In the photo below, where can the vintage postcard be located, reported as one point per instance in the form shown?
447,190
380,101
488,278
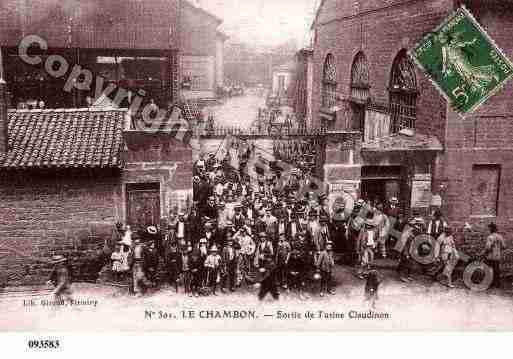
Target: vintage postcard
255,165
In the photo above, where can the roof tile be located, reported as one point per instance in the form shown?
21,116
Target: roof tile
64,138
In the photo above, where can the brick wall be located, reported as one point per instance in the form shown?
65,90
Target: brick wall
159,158
485,137
41,217
380,29
3,116
95,23
199,32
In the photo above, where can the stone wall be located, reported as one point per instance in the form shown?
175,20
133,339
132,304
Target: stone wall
41,216
74,212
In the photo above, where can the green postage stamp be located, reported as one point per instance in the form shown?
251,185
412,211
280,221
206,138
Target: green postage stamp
463,61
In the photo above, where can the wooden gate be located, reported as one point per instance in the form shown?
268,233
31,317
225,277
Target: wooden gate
143,205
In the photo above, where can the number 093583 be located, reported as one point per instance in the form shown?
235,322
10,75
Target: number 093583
43,344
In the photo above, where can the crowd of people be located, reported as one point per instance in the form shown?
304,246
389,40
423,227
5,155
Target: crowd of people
280,233
270,230
239,231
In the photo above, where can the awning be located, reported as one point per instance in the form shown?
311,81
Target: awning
381,173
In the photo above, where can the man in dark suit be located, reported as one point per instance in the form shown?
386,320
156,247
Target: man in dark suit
229,263
210,209
182,229
172,261
269,282
204,191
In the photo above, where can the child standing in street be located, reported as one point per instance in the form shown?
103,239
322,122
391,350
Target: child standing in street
366,244
212,265
117,262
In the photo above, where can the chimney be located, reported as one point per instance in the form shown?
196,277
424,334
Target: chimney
3,109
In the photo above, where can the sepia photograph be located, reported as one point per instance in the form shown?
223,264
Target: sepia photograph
255,166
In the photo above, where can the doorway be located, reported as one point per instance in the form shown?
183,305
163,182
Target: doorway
143,205
380,183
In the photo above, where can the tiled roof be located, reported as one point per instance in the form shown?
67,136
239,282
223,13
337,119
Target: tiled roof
64,138
191,110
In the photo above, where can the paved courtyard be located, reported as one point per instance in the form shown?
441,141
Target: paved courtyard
419,305
239,111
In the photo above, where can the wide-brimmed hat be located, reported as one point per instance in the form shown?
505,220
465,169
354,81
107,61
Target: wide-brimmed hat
262,235
152,230
58,259
213,248
300,209
203,240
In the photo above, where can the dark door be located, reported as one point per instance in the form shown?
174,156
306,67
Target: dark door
143,205
374,189
358,118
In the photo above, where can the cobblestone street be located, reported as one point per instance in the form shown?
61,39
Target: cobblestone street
419,305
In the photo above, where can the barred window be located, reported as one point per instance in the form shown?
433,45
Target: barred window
360,79
329,82
403,93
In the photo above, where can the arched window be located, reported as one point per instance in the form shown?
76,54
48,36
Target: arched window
360,92
403,93
360,79
329,82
